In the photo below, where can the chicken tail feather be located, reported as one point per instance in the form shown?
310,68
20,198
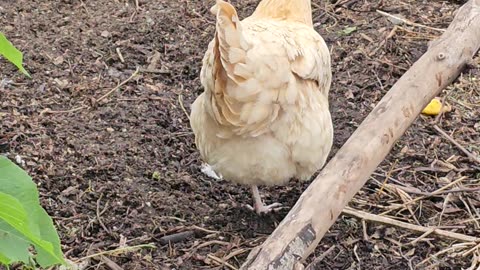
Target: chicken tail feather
229,50
231,42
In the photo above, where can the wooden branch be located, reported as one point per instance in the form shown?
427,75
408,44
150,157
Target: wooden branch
319,206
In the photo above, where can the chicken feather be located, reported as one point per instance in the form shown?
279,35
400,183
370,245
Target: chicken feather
263,117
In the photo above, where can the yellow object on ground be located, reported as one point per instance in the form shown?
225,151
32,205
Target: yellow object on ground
434,107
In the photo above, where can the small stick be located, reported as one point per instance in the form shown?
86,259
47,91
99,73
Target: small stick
448,137
155,71
405,21
427,233
442,107
389,173
408,226
119,85
212,242
320,258
100,213
222,262
176,237
454,247
430,194
111,264
235,253
180,101
120,55
365,234
116,251
436,192
466,253
48,111
198,228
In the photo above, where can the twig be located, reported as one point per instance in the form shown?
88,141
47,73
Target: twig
198,228
117,251
448,137
212,242
235,253
320,258
389,36
180,101
453,247
436,192
49,111
417,228
119,85
222,262
196,247
405,21
100,213
155,71
431,194
427,233
111,264
442,108
119,53
387,176
466,253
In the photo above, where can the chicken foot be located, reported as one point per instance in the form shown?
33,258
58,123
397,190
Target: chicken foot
258,206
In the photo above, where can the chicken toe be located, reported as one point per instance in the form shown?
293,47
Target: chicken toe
259,207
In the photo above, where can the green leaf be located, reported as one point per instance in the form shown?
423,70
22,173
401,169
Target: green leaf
156,175
4,260
12,54
23,222
348,30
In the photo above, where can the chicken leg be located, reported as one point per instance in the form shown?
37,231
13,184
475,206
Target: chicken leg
259,206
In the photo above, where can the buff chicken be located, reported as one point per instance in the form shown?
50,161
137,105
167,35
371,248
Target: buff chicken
263,117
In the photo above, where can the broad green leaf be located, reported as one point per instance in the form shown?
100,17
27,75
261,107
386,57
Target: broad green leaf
15,235
12,54
22,219
4,260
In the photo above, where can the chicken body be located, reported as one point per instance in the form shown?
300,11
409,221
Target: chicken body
263,117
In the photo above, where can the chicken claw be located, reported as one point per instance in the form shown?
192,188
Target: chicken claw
259,207
265,209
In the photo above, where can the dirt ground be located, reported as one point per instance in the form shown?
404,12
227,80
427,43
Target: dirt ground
119,168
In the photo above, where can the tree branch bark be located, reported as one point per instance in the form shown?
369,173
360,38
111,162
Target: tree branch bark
319,206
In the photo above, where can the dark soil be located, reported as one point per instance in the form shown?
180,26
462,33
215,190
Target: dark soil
123,170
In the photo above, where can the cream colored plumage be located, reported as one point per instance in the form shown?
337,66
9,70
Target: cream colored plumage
263,117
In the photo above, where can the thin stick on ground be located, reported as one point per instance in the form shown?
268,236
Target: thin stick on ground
452,248
116,251
119,85
180,101
407,22
459,146
235,253
431,194
408,226
221,262
99,214
111,264
49,111
436,192
320,258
